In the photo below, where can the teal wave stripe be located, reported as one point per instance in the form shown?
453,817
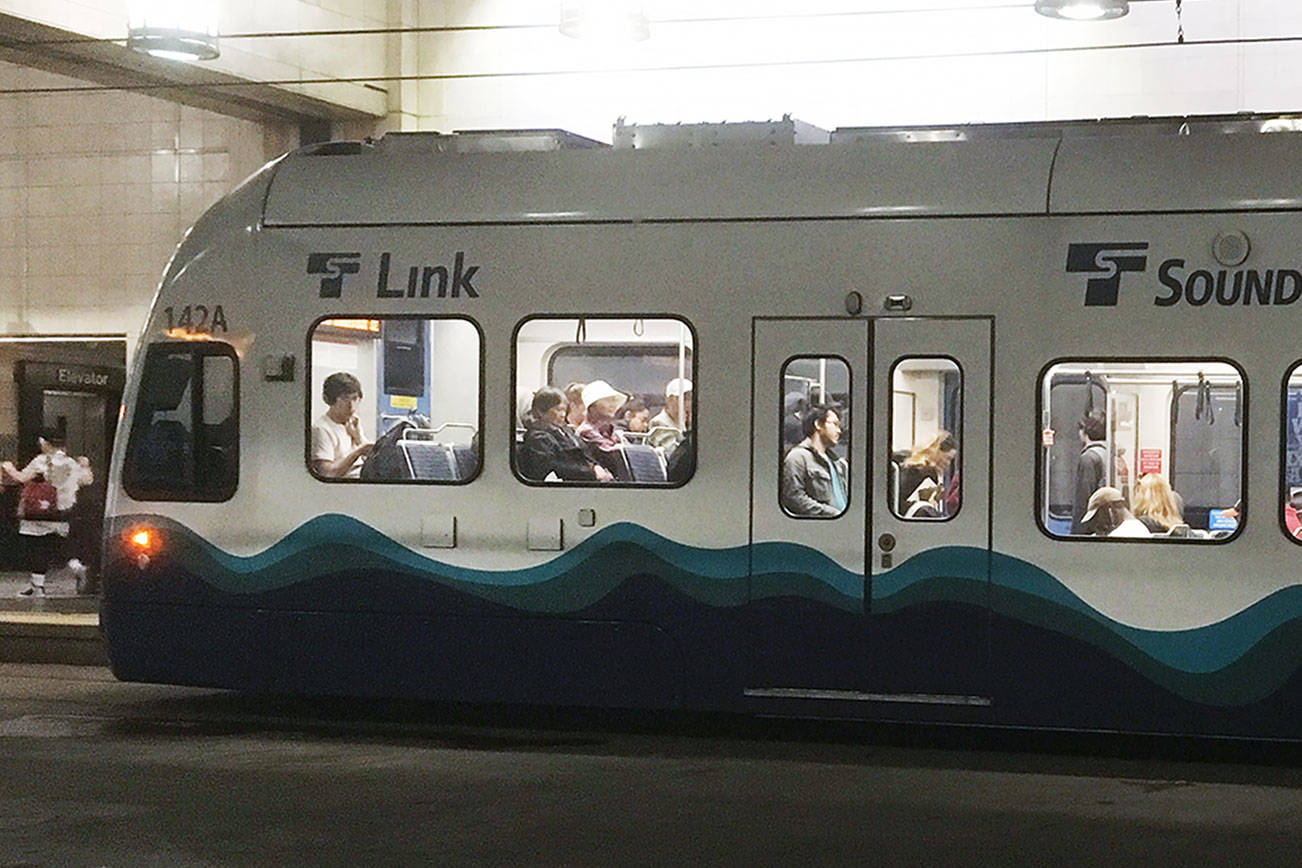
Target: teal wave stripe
1237,660
572,580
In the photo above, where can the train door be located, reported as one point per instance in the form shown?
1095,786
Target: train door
808,533
930,520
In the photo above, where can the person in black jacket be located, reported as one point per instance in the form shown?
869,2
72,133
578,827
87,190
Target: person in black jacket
1091,467
551,446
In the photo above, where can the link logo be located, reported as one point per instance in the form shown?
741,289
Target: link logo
454,279
1107,261
333,266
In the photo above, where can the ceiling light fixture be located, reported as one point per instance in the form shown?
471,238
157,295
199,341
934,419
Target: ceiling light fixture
173,31
1082,10
609,20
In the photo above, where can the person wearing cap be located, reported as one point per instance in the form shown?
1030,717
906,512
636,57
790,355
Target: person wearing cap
669,425
598,431
1108,515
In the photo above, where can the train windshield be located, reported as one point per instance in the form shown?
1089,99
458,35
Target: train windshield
1142,449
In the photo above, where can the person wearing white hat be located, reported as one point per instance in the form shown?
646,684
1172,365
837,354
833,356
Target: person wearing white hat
602,401
1108,515
668,426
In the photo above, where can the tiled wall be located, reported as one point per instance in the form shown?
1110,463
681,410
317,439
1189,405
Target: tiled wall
95,193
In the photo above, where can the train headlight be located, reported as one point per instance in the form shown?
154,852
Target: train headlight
141,543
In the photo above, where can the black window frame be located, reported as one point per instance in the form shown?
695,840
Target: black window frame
613,485
310,402
893,497
1283,451
1038,499
198,492
849,488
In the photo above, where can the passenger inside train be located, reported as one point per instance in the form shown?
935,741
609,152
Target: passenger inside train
412,380
1182,424
926,425
626,388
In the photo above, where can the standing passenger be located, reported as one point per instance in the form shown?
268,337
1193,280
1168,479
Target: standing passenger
1091,467
814,479
338,442
45,527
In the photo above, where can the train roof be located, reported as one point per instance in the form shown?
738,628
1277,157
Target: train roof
747,172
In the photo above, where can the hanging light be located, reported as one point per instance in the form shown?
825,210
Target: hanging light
609,20
174,31
1082,10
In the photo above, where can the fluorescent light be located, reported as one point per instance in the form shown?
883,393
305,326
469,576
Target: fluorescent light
1082,10
606,20
173,31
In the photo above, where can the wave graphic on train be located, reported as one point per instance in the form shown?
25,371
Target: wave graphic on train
1231,662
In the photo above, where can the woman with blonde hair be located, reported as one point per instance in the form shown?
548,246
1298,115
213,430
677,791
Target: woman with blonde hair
1156,504
930,460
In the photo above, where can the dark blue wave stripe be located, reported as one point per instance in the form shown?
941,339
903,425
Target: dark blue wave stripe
778,568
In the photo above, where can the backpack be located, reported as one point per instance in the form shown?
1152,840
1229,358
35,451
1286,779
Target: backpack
38,501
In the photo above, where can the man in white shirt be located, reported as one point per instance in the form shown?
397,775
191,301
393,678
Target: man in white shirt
338,443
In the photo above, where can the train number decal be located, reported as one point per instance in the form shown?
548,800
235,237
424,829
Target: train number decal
196,319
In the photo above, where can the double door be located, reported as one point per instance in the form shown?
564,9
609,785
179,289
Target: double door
870,509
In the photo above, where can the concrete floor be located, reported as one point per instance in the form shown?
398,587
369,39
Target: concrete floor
93,772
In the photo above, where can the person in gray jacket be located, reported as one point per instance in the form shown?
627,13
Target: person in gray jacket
815,481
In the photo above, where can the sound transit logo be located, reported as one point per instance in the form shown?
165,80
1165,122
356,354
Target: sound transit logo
1107,260
334,266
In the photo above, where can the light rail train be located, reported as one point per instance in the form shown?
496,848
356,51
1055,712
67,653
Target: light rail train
1004,429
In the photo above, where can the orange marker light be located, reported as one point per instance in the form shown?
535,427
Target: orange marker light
142,543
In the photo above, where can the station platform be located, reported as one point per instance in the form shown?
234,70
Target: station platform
61,627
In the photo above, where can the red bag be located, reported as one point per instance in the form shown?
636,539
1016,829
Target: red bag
38,501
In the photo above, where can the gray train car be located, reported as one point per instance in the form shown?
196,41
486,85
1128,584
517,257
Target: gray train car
1002,430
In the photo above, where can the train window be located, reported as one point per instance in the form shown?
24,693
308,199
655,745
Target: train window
814,436
1291,440
1142,449
604,401
926,431
184,441
394,399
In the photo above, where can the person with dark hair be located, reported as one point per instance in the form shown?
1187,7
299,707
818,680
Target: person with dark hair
50,482
815,481
634,416
1091,467
338,443
551,447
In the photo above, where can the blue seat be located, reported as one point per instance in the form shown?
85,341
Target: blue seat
645,463
429,461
